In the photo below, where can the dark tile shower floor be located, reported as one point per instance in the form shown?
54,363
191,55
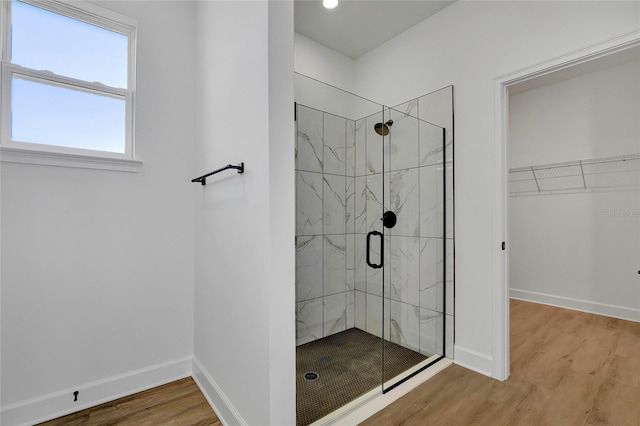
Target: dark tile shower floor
348,365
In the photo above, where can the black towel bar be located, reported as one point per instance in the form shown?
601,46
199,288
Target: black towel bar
203,179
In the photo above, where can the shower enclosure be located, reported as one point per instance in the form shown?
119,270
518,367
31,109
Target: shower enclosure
373,243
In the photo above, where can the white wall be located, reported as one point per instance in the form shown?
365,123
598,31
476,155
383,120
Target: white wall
322,63
570,249
591,116
244,277
97,266
469,44
326,65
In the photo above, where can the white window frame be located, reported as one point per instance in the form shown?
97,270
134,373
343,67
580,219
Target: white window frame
32,153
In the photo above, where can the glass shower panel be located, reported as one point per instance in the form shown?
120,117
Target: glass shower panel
338,332
414,229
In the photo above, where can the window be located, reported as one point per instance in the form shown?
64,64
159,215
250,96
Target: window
67,82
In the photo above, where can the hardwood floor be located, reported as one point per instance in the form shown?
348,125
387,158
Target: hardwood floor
567,368
176,403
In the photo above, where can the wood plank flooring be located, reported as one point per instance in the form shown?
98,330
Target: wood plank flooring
176,403
567,368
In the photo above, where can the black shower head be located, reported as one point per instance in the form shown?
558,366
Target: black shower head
383,128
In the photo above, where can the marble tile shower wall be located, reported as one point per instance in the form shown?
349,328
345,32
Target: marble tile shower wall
437,108
339,187
418,248
325,152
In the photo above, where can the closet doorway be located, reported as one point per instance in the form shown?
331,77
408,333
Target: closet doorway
573,157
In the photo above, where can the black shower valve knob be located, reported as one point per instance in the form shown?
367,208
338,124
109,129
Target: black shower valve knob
389,219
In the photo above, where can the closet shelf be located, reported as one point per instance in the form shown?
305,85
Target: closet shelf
598,173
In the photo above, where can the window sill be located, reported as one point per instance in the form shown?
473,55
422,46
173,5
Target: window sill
27,156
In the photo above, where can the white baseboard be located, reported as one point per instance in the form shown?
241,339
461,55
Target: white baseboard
473,360
226,412
61,403
614,311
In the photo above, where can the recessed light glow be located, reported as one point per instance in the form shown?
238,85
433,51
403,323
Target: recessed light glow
330,4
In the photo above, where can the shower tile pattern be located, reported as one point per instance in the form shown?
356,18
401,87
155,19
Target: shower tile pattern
325,177
417,175
437,108
340,177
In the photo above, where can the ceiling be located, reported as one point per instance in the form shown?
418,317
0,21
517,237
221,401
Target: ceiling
356,27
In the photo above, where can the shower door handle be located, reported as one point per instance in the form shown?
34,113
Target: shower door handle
374,265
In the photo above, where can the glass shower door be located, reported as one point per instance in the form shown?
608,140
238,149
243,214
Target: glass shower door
413,225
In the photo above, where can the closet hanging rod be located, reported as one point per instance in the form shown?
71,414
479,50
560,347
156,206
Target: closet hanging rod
579,174
591,161
203,179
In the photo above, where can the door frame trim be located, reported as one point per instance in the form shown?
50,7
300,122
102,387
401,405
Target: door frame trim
500,216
